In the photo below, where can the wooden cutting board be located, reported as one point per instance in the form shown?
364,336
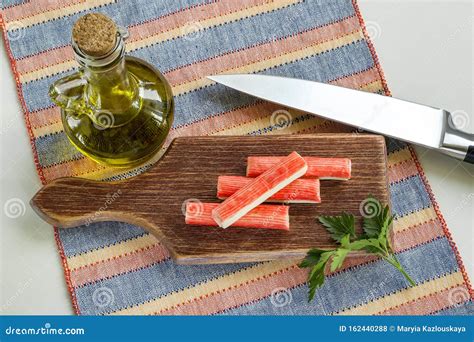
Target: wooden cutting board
189,170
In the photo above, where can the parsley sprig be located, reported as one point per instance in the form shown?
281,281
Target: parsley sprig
375,240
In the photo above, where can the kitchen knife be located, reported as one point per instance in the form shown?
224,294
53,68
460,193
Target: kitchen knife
415,123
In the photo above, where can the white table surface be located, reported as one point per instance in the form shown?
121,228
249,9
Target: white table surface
425,48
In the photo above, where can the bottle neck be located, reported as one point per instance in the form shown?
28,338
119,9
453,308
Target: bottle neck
110,92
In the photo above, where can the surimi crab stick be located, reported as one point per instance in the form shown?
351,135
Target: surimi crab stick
260,189
322,168
298,191
262,216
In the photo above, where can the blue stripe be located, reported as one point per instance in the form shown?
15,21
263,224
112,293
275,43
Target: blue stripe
362,284
241,34
272,128
394,145
149,283
178,52
215,99
125,13
466,308
63,149
409,196
97,235
10,3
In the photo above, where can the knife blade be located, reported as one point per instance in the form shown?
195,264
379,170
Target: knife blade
408,121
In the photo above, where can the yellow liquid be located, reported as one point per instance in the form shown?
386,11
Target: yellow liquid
138,121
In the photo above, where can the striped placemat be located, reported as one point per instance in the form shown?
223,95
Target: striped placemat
115,268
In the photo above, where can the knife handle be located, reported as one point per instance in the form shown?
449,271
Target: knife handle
470,155
457,143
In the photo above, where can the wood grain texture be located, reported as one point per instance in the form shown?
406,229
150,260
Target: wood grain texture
189,170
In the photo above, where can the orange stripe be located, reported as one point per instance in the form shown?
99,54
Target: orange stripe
32,8
429,304
119,265
142,31
260,52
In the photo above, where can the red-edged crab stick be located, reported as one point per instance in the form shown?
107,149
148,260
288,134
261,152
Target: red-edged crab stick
322,168
299,191
263,216
259,189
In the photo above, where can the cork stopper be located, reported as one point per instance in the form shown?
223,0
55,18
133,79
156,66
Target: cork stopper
94,34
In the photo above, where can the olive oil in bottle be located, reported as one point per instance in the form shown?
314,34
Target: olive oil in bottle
115,109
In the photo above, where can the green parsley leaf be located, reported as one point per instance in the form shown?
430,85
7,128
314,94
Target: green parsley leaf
339,226
364,244
312,258
375,217
315,282
316,275
375,240
338,258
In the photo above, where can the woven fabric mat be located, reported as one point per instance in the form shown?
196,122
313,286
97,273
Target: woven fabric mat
116,268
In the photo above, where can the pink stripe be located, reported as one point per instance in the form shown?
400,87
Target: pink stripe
45,117
32,8
44,59
432,303
402,171
141,31
226,120
192,15
358,80
261,52
253,290
207,126
118,265
261,287
419,234
244,115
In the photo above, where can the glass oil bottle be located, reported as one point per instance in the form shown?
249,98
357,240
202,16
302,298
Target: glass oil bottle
115,109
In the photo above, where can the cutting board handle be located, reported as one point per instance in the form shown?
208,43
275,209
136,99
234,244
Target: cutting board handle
70,202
